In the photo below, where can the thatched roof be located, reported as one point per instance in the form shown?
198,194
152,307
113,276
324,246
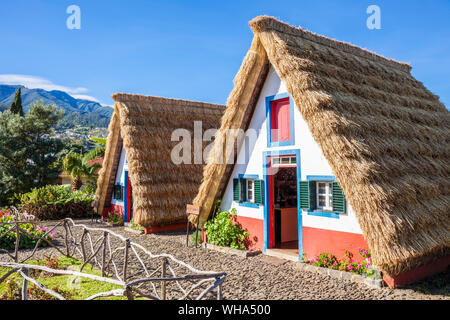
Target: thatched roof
385,136
144,125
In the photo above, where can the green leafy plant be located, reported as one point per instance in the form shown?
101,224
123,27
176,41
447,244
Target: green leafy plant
325,260
136,226
223,230
193,235
115,217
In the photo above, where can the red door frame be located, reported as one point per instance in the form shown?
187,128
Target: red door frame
272,171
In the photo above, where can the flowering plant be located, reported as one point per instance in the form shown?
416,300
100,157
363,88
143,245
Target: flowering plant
115,217
327,260
28,239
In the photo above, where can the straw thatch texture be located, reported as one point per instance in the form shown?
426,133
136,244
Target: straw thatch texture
385,136
107,173
161,189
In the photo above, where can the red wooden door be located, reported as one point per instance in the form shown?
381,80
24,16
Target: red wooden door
281,121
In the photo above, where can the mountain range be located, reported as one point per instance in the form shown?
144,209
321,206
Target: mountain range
76,111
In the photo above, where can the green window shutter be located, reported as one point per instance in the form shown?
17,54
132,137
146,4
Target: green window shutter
304,194
312,195
243,183
259,194
236,190
338,198
122,193
116,191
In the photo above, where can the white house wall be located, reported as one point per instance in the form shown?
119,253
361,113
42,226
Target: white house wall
312,162
120,177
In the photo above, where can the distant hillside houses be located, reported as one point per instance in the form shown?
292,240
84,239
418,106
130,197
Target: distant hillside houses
76,111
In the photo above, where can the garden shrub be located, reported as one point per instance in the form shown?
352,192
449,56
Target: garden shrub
223,231
28,240
54,202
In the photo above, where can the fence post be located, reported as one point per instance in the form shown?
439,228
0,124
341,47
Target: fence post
25,285
105,235
83,250
16,247
219,292
129,293
125,263
163,285
67,238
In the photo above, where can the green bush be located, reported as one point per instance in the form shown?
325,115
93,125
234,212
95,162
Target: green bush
54,202
222,231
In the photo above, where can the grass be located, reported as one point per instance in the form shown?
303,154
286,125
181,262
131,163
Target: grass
68,286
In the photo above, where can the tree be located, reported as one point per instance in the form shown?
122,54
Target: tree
78,166
28,153
16,105
99,151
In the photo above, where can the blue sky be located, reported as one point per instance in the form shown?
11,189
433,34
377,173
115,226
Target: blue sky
193,49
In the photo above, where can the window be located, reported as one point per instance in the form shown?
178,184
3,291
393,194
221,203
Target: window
248,191
324,194
251,190
118,192
276,161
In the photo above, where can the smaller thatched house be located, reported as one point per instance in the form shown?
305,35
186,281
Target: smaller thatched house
348,150
139,178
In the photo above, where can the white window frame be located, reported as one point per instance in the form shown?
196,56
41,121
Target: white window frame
328,195
292,160
252,189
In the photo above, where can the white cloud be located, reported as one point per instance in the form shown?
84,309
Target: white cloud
84,97
33,82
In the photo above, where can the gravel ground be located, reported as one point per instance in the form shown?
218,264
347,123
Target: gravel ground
262,277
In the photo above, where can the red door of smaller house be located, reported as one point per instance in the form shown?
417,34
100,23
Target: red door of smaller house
281,130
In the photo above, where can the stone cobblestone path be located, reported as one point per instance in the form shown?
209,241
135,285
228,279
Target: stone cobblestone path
262,278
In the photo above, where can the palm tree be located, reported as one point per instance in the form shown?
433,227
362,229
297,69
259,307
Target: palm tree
78,166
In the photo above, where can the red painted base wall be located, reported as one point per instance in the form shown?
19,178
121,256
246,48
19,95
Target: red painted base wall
168,227
317,241
418,274
256,229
